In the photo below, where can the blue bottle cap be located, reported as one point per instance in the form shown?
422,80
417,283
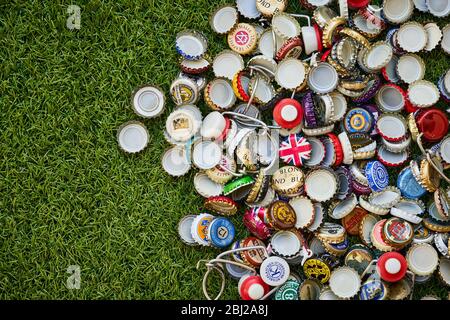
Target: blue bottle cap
221,232
358,120
408,185
373,289
377,175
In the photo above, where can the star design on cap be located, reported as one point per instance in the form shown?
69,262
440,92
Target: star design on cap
242,37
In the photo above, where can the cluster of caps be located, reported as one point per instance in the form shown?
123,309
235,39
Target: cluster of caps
345,98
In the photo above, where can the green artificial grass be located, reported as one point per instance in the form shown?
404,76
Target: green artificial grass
69,196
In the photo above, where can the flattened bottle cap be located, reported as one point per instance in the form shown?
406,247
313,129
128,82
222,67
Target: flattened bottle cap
199,228
304,211
288,181
439,8
294,150
412,37
323,78
321,185
345,282
270,7
433,123
281,215
227,63
352,221
184,91
422,259
132,137
148,101
397,11
288,113
423,94
191,45
274,271
358,257
290,73
175,161
224,19
221,232
243,39
288,291
184,229
377,175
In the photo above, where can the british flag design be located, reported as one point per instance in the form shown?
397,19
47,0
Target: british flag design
295,149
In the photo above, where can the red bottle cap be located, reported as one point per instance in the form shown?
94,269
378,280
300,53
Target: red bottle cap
433,123
409,107
392,266
253,288
318,37
225,130
357,4
288,113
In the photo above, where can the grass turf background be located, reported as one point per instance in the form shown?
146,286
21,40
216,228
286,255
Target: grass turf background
68,195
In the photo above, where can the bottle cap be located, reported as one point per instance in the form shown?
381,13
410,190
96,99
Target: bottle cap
438,8
377,56
219,94
366,227
288,181
377,175
221,205
433,123
421,5
195,67
358,257
281,215
408,185
270,7
290,73
220,175
148,101
285,243
184,230
323,78
266,65
132,137
295,149
392,127
285,25
358,120
191,45
445,43
340,105
321,184
264,92
224,19
253,257
398,232
346,148
377,238
345,282
199,80
422,259
175,161
199,228
205,186
237,184
340,209
331,233
434,35
248,9
389,72
288,291
318,152
291,48
221,232
444,270
184,91
288,113
352,221
252,288
255,224
317,269
243,39
373,289
319,214
397,11
213,125
274,271
400,290
412,37
423,94
206,154
227,63
304,210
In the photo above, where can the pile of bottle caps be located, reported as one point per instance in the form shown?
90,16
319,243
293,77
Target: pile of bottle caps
324,136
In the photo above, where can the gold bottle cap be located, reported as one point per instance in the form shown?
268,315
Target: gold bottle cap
270,7
218,174
288,181
243,39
